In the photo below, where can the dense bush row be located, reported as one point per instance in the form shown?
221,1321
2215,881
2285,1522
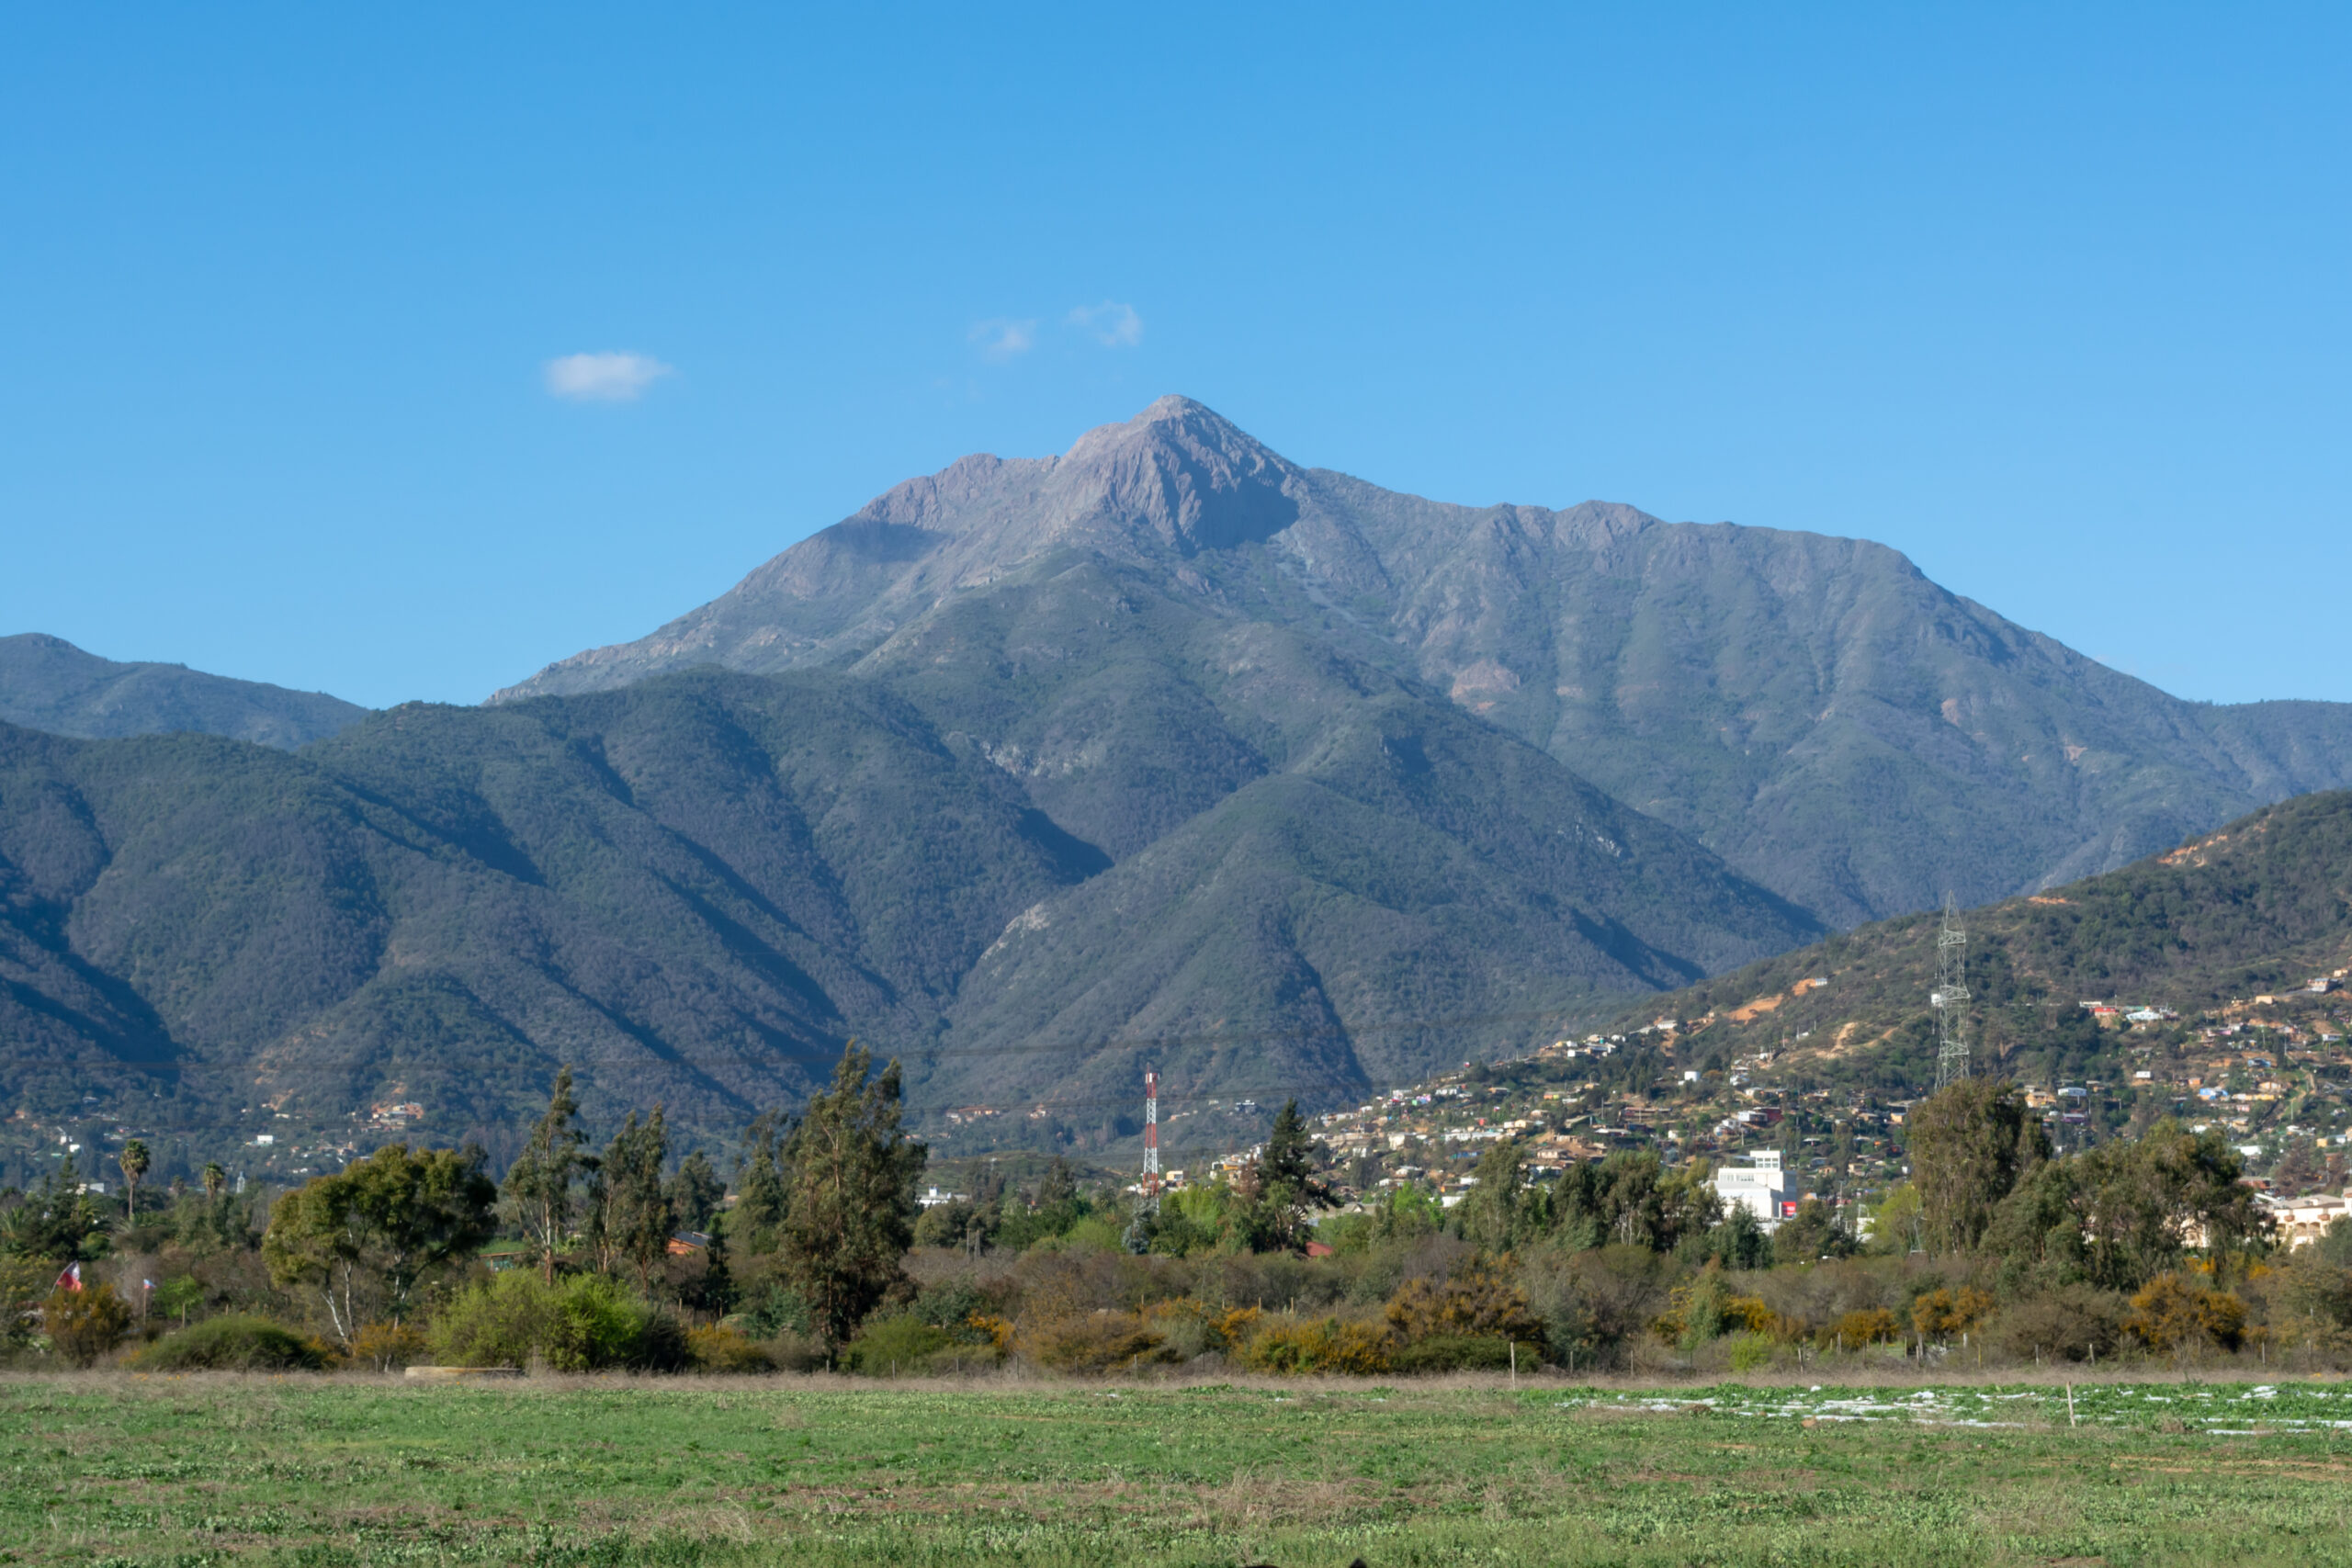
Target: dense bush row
1996,1253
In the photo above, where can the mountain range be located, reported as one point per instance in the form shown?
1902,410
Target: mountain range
695,888
1836,726
47,683
1034,771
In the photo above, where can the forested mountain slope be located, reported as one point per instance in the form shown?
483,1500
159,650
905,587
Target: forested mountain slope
1836,726
690,892
2257,906
696,888
47,683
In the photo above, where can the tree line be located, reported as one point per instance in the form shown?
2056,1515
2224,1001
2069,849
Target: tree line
1997,1244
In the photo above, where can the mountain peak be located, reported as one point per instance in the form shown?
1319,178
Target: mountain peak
1173,418
1175,405
1187,474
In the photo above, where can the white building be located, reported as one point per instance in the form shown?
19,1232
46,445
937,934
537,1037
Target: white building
2302,1221
1760,1187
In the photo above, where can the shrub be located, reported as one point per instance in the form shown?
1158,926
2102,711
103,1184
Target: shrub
777,1307
1092,1341
1328,1345
1190,1328
24,1283
794,1352
721,1349
1941,1314
583,1323
948,1303
1478,1302
388,1347
1095,1232
2317,1292
1452,1353
2072,1324
1229,1329
501,1324
1750,1351
890,1347
177,1297
1866,1326
598,1324
236,1342
2173,1313
84,1325
1593,1303
1706,1309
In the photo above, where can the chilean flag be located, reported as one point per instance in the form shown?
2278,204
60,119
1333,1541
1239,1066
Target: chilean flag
70,1279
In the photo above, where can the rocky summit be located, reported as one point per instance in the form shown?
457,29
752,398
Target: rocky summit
1836,726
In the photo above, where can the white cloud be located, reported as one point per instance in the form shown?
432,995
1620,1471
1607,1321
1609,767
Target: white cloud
604,378
1002,338
1112,324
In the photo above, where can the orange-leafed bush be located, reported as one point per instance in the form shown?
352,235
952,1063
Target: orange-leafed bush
1326,1345
84,1325
1096,1341
1869,1326
388,1347
1939,1314
2174,1312
1478,1303
1193,1327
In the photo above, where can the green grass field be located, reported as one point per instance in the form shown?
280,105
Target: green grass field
120,1470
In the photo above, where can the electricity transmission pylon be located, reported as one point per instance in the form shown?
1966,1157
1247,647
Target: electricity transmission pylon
1151,1138
1138,1236
1950,998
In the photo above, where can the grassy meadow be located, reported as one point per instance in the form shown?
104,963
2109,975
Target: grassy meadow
118,1470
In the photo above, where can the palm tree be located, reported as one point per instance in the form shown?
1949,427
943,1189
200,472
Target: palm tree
215,1180
134,1160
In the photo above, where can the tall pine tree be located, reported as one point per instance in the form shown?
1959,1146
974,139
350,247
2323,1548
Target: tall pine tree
761,1185
539,1184
851,1207
1286,1189
631,1222
695,1192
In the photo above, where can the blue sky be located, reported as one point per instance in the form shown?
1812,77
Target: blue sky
2052,299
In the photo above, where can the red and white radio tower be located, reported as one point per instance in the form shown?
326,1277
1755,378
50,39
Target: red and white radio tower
1152,1135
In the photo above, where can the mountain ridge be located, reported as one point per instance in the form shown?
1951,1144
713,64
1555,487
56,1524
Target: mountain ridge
2255,906
695,888
1813,708
47,683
